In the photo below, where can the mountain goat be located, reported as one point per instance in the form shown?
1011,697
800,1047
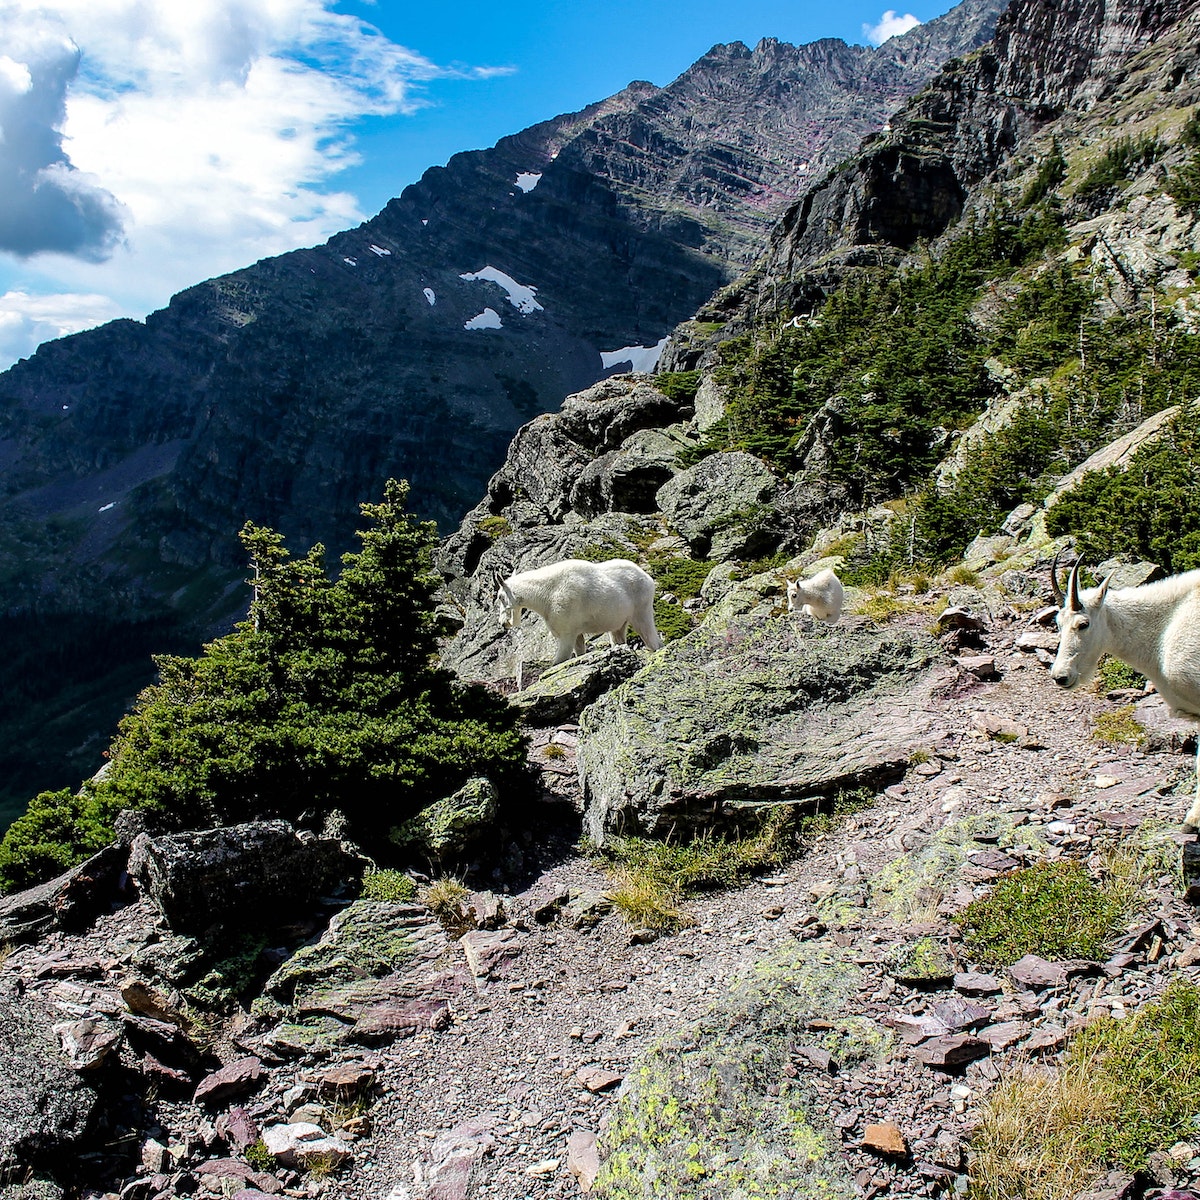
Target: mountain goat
821,596
1154,628
578,598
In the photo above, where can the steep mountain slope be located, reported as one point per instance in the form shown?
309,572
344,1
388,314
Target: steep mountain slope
413,346
1016,257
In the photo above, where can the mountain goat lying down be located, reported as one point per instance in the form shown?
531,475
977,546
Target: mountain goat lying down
578,599
821,596
1154,628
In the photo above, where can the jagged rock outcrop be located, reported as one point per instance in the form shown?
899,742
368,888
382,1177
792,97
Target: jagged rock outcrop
413,346
1046,61
240,874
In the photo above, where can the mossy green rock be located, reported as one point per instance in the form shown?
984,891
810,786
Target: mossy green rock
710,1113
447,827
369,939
562,692
752,711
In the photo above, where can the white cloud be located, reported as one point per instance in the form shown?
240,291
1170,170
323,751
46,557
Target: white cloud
27,320
890,26
182,140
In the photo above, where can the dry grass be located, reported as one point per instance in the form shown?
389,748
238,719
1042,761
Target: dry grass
1127,1089
443,896
1033,1141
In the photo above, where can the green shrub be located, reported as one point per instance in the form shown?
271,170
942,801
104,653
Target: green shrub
1121,160
1149,509
1053,910
1119,728
678,385
682,577
389,884
58,830
1052,170
1113,674
1002,470
495,527
326,698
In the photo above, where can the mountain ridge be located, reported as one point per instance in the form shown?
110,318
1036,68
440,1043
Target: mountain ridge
286,392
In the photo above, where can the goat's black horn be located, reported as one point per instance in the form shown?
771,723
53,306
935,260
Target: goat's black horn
1073,589
1055,590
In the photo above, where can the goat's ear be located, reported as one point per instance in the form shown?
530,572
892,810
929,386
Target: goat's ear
1103,590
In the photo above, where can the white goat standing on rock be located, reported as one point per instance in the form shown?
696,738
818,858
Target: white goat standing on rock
578,599
1154,628
821,596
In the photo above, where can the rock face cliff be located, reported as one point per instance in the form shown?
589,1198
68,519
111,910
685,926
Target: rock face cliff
413,346
1067,69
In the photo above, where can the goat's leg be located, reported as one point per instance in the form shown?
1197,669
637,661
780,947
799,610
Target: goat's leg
1191,823
564,649
581,645
617,636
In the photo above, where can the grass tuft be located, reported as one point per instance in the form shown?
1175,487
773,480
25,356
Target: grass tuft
443,896
1126,1090
652,879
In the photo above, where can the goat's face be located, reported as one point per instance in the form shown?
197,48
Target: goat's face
505,606
793,595
1082,626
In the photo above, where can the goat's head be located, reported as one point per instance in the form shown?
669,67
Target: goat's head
793,594
507,610
1083,630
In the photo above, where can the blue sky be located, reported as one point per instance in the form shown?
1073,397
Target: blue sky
146,145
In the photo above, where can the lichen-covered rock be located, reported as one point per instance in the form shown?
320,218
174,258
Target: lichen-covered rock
719,497
45,1107
751,711
561,693
710,1113
247,876
447,827
369,939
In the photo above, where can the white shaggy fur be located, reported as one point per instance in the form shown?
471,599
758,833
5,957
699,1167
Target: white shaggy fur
578,599
1154,628
821,596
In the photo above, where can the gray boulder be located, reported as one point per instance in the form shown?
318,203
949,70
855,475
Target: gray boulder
750,711
248,875
561,693
717,501
628,479
45,1106
447,827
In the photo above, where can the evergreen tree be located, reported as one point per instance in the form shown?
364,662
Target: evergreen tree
327,697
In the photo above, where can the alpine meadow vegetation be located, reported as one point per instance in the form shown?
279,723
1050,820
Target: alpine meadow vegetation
326,698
